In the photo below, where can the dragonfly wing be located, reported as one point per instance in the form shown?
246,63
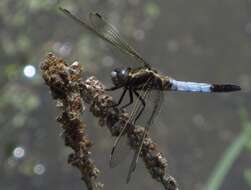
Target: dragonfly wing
111,34
122,150
117,150
107,32
79,21
157,97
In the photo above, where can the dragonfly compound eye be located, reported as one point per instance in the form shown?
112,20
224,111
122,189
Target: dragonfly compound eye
123,73
114,74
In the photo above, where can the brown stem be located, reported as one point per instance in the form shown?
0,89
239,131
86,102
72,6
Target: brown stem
70,91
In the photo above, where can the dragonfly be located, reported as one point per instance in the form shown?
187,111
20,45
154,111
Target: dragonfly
142,82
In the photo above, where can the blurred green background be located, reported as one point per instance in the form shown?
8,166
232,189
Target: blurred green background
189,40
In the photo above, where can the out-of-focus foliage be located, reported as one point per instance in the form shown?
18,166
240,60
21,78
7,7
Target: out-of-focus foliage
247,175
230,156
247,172
249,145
152,9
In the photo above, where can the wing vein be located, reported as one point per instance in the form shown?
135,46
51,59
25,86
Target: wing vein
108,33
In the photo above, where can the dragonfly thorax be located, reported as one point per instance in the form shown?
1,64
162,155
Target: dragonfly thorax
120,76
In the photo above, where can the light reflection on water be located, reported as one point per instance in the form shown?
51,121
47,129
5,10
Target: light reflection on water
19,152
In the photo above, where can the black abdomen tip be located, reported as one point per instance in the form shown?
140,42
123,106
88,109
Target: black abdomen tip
225,88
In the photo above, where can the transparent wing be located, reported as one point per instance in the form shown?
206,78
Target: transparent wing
121,152
107,32
119,143
156,97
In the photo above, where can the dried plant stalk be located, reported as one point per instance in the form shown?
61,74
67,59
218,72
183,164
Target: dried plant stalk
70,90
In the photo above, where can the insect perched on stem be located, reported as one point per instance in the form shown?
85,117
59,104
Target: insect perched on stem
144,83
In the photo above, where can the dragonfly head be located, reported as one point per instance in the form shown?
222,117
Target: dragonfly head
120,76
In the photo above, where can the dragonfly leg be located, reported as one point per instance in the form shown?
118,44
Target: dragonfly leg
143,105
120,99
131,99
